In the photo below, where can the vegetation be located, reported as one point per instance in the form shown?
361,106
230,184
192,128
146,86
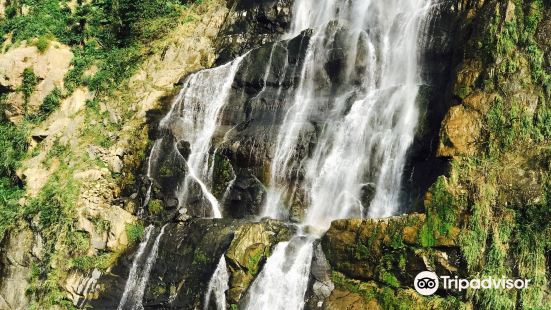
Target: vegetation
393,297
109,40
13,143
135,232
499,213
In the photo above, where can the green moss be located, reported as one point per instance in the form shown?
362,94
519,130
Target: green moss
222,174
254,259
157,290
199,257
394,298
389,279
166,170
361,252
441,214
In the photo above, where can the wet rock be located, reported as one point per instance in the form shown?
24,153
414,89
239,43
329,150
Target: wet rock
188,255
320,285
251,246
251,24
245,196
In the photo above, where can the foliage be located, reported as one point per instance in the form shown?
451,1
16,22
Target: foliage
199,257
87,263
155,206
51,103
393,298
30,80
441,213
42,43
135,232
502,231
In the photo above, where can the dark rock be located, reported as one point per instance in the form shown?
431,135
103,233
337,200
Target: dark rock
320,285
251,24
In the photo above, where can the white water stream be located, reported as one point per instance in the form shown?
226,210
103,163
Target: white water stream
139,273
193,118
364,127
218,285
355,169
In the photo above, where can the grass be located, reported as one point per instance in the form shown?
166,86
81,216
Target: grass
503,234
113,40
135,232
29,82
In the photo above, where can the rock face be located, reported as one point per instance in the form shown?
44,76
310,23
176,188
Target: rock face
263,86
49,69
387,251
374,263
16,259
251,246
188,255
251,24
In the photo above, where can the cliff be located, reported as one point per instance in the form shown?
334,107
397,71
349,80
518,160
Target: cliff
84,87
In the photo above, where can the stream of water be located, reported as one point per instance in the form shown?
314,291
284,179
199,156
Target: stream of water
364,126
136,283
193,119
355,170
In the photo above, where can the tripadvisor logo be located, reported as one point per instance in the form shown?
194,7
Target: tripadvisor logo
426,283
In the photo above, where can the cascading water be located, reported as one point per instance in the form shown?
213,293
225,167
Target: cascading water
139,273
134,275
192,120
369,116
282,283
218,285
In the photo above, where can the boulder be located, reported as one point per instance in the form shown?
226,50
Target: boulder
460,132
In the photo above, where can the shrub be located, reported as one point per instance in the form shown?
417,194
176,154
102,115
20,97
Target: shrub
134,232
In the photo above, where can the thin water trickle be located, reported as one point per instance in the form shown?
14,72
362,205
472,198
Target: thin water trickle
138,277
218,285
135,272
193,119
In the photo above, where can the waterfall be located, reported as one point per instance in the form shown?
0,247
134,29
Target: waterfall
139,273
192,120
218,285
147,198
284,279
368,119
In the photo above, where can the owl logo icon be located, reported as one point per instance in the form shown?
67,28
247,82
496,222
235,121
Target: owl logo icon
426,283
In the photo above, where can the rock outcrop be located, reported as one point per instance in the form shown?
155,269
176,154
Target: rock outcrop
188,255
370,256
27,76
